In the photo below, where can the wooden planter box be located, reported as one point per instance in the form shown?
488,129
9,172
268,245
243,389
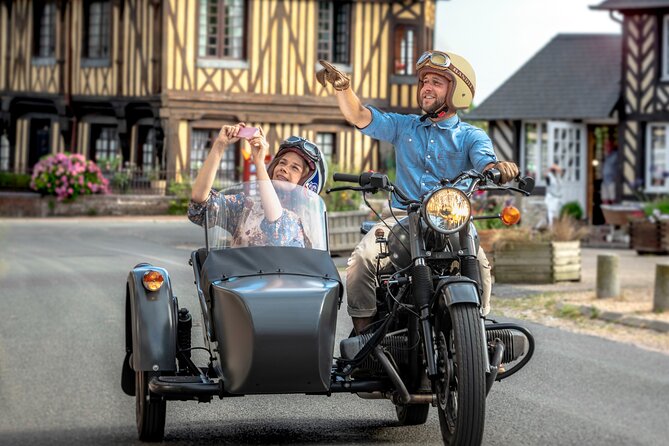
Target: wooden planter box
647,237
537,262
344,229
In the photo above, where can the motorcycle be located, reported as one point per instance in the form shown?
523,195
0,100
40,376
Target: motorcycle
269,314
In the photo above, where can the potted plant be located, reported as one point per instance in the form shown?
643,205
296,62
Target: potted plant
157,181
650,234
523,255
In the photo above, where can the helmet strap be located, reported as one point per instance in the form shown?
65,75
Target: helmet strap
439,113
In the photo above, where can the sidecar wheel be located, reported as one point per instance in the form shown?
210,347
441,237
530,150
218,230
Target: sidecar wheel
413,414
149,410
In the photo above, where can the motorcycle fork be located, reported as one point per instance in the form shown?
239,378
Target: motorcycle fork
421,281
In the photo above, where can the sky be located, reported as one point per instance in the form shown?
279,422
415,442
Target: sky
498,36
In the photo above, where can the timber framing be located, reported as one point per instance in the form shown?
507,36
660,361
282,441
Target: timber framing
155,75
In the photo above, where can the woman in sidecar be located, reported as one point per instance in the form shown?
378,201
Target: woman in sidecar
266,222
266,285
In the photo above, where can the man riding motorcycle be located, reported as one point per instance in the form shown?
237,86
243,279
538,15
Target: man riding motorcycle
428,148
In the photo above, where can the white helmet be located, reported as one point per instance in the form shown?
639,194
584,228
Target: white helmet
314,178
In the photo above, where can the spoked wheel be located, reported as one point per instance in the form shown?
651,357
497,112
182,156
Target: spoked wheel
461,391
412,414
150,411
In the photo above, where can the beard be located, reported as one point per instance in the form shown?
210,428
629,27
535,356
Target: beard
433,107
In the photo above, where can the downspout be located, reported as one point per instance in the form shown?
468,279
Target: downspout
68,78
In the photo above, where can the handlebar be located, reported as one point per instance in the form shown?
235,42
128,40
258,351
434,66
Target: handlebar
373,181
346,178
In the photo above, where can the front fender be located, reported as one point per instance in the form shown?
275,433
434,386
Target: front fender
151,322
457,290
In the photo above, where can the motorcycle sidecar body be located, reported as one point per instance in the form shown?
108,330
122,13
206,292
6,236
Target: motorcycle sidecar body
273,316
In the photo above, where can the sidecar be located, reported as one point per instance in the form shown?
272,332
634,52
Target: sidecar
268,316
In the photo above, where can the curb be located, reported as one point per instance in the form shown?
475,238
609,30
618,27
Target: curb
619,318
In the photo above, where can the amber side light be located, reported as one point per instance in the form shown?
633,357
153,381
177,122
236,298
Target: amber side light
152,280
510,215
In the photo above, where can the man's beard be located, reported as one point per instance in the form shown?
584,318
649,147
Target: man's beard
436,105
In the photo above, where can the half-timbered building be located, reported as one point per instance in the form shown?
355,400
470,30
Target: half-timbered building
644,95
151,82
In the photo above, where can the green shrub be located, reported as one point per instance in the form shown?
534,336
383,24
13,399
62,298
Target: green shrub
345,200
181,193
572,209
657,206
14,181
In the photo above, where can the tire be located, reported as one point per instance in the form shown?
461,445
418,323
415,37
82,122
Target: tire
462,390
150,412
412,414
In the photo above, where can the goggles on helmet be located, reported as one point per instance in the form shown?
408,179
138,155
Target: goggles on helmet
309,148
436,58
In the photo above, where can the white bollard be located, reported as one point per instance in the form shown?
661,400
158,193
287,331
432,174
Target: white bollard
661,295
608,281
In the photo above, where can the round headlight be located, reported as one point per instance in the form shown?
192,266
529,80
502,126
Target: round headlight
447,210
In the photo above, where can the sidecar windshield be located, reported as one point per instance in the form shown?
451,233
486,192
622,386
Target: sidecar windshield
237,217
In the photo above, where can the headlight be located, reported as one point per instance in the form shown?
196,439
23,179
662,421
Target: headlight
447,210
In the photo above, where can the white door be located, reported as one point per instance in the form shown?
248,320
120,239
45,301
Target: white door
567,149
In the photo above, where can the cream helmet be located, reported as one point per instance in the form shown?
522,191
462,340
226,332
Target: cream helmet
456,69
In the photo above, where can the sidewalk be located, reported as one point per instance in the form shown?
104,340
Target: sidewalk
632,308
637,283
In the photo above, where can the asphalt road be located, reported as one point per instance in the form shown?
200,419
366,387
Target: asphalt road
61,346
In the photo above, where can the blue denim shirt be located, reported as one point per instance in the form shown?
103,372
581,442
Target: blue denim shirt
426,152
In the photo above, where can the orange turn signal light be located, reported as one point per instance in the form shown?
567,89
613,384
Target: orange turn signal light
152,280
510,215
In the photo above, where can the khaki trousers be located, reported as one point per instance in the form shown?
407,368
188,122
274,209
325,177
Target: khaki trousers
361,276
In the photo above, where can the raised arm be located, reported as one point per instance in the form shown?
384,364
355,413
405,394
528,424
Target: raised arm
205,177
270,201
348,101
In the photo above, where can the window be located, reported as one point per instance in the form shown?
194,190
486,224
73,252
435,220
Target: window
535,151
222,30
146,150
4,153
334,31
326,142
406,47
657,156
44,29
97,30
201,142
105,143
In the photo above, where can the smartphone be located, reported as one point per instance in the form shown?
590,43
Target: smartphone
247,132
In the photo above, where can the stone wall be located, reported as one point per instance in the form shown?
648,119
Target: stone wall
28,204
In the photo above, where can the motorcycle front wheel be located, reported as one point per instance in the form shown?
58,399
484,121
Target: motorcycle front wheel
461,391
149,410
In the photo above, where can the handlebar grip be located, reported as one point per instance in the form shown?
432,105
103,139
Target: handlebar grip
346,177
494,175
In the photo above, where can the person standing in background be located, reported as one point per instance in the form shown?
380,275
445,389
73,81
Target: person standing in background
553,193
609,173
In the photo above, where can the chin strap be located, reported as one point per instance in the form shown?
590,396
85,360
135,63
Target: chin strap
440,113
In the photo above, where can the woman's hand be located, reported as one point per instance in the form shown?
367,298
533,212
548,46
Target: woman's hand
259,147
226,136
